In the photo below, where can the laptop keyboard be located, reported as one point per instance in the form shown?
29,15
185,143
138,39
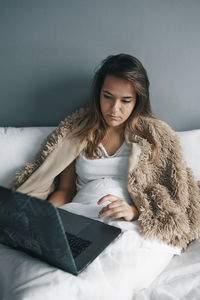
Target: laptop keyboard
77,244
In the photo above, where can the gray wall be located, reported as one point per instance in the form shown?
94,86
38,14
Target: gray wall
49,50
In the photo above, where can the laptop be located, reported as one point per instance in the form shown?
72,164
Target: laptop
63,239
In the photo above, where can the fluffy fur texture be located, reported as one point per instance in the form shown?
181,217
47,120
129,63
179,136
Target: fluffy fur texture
165,193
49,144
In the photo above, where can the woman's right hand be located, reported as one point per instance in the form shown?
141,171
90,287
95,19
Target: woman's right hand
58,198
67,187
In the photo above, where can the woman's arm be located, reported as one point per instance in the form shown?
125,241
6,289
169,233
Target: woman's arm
67,186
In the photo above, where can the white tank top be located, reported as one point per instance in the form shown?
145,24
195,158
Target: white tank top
106,175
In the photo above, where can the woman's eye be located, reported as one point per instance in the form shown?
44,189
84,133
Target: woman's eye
106,96
125,101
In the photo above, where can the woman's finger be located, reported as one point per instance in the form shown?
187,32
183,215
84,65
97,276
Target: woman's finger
107,208
108,197
113,212
117,203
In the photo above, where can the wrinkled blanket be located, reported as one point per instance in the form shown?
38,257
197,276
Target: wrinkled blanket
127,265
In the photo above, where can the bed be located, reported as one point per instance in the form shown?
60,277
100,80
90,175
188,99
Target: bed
24,277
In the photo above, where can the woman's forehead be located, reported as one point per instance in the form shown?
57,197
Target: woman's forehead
116,85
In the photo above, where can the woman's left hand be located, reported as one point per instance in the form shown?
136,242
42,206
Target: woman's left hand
118,208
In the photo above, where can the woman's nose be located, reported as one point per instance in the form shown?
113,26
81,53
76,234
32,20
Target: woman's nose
115,106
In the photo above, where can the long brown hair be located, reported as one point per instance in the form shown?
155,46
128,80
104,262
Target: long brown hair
129,68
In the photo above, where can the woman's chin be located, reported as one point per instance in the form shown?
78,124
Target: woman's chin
113,123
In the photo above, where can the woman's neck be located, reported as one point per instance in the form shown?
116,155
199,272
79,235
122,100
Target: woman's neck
113,139
116,131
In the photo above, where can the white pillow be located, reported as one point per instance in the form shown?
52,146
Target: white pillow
190,142
18,146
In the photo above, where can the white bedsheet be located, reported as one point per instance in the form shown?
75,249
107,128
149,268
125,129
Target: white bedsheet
179,281
115,274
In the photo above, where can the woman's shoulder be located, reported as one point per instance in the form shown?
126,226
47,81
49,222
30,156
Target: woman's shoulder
164,136
161,132
71,122
75,119
156,126
63,130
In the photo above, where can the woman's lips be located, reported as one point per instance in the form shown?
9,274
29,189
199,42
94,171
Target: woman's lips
113,117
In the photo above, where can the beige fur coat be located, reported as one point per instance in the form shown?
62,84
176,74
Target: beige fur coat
166,193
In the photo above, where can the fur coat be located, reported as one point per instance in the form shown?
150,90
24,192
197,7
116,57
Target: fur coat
165,193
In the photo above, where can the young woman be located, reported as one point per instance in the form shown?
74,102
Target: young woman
112,109
118,156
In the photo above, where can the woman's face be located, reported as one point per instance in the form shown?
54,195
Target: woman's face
117,100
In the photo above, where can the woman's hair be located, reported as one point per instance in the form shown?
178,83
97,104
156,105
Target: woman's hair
129,68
